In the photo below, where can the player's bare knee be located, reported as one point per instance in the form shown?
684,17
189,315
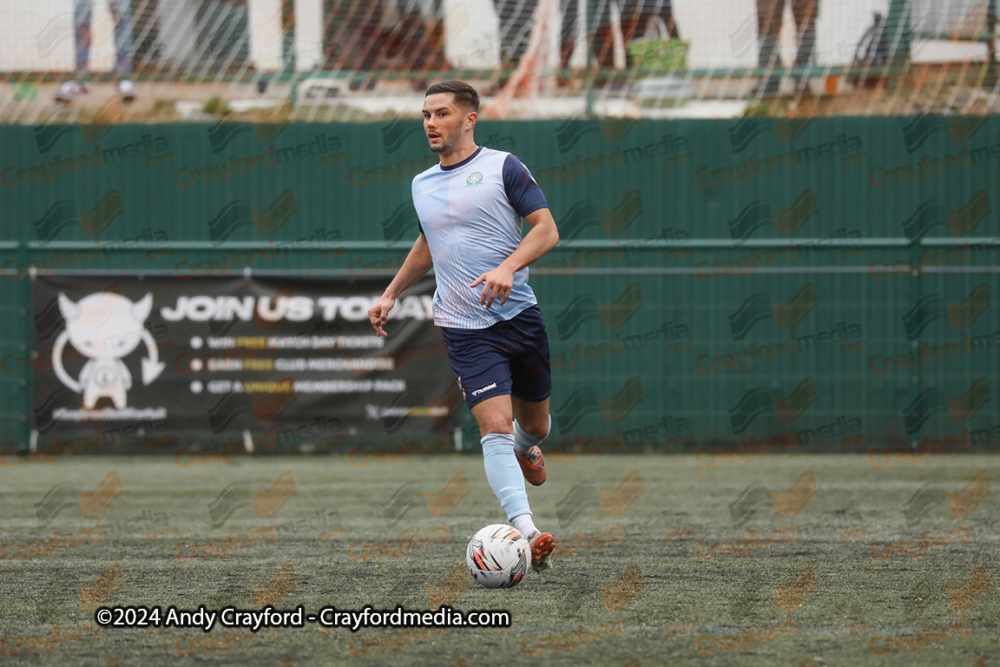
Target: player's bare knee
495,424
536,428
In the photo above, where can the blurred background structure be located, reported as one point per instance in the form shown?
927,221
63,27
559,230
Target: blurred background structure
361,60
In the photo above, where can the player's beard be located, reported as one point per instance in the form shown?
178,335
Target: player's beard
448,142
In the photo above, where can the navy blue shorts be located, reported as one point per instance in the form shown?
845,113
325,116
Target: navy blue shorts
508,358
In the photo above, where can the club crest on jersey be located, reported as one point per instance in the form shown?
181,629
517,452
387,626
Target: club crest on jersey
474,179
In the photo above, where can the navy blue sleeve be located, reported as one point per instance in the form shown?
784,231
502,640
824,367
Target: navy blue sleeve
523,192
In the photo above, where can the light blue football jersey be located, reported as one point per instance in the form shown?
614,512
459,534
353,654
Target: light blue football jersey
471,214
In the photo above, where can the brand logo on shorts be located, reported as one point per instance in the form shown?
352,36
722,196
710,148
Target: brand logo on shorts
474,179
477,392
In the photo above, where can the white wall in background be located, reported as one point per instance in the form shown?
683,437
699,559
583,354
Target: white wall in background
265,34
723,33
39,36
36,35
308,34
471,34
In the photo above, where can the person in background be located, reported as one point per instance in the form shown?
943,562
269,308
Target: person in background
122,17
769,19
638,19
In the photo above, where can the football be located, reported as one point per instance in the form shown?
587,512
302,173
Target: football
498,556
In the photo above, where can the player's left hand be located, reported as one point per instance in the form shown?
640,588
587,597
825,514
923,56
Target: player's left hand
497,284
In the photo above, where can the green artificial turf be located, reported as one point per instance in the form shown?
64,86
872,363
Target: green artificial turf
627,586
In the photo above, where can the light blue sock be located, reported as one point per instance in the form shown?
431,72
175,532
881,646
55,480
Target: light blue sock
523,441
504,474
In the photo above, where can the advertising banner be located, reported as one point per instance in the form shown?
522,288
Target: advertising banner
271,355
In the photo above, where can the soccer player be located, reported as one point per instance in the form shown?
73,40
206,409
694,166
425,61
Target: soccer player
470,207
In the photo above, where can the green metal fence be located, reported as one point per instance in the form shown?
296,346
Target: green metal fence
730,288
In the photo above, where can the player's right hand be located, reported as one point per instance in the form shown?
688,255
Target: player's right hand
379,313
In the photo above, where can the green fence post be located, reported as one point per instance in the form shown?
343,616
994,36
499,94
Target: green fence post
991,35
898,33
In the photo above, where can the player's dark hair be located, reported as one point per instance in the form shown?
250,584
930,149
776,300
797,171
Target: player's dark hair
465,94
